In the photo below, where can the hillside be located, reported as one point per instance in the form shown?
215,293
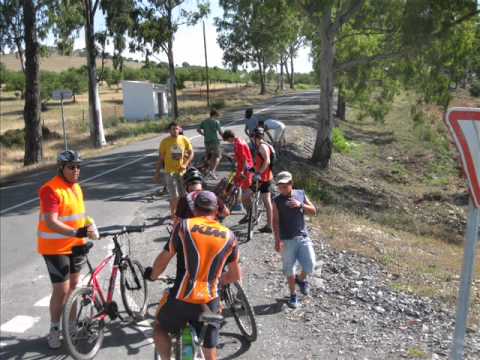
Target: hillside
58,63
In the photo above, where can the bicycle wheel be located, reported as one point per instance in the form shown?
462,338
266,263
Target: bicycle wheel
231,199
177,346
253,215
133,288
242,311
81,324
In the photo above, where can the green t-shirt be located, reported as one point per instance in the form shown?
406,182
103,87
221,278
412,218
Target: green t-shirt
210,129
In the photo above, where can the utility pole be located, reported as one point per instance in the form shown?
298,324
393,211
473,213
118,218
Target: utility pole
206,63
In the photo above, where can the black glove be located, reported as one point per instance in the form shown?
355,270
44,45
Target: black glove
81,232
147,273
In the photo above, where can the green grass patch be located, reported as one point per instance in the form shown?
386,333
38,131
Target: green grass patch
416,353
340,144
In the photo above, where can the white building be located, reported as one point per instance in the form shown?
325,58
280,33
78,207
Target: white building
143,100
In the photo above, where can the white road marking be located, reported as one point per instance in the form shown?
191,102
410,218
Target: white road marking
137,159
19,324
44,302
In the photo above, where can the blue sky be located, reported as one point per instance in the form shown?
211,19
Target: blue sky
188,44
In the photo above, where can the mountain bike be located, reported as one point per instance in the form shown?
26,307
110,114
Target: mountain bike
236,302
255,211
87,309
226,188
187,343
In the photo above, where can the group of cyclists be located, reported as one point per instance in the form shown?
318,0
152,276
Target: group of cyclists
206,250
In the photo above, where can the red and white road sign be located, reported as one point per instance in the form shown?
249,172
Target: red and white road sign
464,125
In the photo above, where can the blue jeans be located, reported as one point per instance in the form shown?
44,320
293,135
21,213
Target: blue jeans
298,249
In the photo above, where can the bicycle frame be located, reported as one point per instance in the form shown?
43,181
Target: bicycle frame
95,283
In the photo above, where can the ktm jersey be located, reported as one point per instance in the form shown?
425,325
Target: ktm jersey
203,247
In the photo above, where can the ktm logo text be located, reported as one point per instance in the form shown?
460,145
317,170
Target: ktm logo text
208,230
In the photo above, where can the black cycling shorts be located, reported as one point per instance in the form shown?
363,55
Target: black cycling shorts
173,315
61,266
264,187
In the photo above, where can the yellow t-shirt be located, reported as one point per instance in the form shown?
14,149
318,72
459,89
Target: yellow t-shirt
174,152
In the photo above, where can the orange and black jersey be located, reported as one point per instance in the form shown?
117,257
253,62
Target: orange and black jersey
203,247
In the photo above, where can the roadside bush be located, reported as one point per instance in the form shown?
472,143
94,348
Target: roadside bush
340,144
218,104
475,88
16,137
13,138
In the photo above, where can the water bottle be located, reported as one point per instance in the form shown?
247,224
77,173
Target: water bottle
89,222
187,344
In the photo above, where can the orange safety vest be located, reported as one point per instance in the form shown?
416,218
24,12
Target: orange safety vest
71,212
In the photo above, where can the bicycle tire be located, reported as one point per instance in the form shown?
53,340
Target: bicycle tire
233,299
84,326
253,215
133,287
231,198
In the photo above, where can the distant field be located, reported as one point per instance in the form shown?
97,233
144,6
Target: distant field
58,63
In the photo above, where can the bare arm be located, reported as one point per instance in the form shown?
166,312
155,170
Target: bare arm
56,225
160,263
159,166
309,208
232,274
276,226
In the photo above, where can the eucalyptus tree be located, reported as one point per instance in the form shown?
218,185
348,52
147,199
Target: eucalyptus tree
391,30
155,25
255,32
11,29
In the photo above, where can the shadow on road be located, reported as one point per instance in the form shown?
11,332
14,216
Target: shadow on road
29,349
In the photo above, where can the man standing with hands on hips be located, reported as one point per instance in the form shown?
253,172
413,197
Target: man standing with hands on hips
291,235
62,225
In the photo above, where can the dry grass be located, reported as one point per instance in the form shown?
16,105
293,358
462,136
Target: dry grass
59,63
192,107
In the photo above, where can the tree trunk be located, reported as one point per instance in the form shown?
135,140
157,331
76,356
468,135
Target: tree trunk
173,80
261,69
282,87
287,72
341,106
292,72
171,63
96,124
33,128
323,144
21,55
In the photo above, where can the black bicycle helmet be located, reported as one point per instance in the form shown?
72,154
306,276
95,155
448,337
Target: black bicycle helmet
192,175
258,132
68,156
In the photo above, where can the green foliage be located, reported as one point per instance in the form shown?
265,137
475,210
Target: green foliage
14,81
15,138
137,129
340,144
475,88
217,104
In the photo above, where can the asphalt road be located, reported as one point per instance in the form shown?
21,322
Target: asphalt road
118,189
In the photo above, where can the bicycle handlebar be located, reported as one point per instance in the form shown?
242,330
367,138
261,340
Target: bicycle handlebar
116,230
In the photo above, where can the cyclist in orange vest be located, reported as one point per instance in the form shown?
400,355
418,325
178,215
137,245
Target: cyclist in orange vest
203,247
61,226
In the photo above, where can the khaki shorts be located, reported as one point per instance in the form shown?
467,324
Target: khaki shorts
174,184
213,151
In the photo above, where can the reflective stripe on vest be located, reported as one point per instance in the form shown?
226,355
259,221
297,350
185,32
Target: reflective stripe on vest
66,218
71,212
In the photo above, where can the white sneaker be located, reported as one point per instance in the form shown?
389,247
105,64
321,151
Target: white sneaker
53,339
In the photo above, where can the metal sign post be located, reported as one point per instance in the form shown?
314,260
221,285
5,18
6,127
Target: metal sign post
63,95
464,125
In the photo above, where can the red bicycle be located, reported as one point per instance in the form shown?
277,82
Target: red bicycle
87,309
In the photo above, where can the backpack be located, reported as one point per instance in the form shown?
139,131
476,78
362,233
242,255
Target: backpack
273,155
